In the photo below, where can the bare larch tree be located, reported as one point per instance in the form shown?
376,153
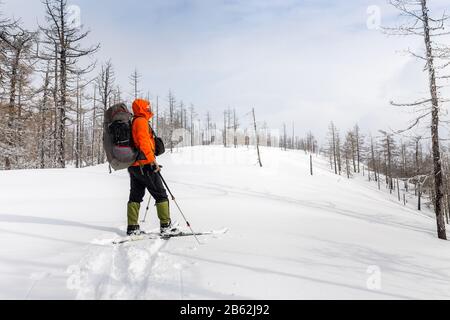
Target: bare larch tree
62,40
419,22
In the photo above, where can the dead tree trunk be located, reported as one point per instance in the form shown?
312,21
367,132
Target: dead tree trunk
438,186
257,139
333,132
13,81
358,147
43,111
94,126
374,163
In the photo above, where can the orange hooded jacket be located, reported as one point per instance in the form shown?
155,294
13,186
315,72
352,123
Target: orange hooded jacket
142,138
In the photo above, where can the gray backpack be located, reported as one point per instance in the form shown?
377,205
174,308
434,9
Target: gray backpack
118,138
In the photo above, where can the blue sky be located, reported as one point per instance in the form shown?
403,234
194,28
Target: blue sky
307,61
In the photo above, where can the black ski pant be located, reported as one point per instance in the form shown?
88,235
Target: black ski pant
146,179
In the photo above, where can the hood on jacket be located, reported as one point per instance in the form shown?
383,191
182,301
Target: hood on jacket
142,108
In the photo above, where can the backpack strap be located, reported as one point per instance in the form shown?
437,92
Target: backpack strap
153,131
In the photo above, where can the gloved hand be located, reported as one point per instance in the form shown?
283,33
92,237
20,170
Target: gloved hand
156,167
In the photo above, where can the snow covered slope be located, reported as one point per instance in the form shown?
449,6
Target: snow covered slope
292,236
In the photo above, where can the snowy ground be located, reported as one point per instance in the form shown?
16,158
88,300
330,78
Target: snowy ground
292,236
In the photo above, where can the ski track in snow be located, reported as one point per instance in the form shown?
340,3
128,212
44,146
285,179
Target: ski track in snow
134,271
120,271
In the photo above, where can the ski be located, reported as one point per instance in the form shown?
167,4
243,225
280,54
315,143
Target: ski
191,234
136,238
157,235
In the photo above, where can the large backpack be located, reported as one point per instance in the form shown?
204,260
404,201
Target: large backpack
118,138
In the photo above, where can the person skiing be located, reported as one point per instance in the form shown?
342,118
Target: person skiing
144,173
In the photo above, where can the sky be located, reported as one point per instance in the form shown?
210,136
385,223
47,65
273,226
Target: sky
306,62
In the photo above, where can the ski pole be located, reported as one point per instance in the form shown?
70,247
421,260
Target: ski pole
146,211
181,211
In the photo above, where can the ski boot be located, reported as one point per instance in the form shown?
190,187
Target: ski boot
134,230
170,230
